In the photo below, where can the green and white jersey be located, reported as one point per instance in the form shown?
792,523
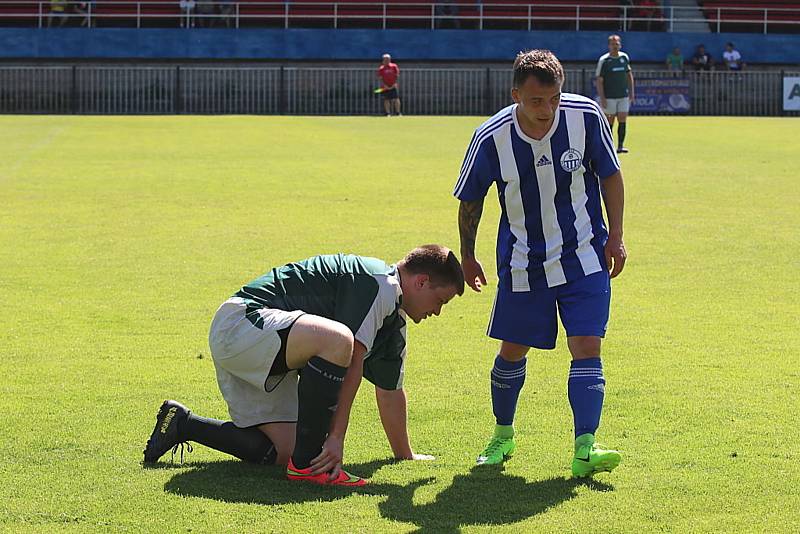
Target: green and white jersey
362,293
614,71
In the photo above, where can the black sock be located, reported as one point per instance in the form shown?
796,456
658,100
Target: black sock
621,134
248,444
318,394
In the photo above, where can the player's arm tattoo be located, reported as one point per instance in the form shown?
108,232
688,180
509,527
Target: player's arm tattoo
469,216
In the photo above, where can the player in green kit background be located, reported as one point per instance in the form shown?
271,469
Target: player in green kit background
615,87
290,349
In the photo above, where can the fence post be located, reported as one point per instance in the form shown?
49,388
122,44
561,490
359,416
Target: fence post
780,93
487,97
583,84
282,89
73,97
178,101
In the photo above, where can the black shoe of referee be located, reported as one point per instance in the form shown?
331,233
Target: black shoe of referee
165,435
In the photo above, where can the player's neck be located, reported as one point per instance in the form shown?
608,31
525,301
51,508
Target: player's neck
614,54
534,130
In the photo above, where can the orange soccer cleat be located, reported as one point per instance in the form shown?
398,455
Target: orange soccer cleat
344,478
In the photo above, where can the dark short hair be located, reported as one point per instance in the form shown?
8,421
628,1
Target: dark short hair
541,64
729,44
438,262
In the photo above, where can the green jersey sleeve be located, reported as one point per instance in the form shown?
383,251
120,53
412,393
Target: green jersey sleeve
599,69
384,365
384,303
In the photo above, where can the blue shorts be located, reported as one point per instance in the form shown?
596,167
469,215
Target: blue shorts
529,318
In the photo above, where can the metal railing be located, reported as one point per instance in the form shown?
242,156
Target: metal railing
384,15
331,91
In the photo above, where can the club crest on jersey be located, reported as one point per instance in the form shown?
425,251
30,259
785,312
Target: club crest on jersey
571,160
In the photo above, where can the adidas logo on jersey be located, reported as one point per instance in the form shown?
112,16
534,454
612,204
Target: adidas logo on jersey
543,161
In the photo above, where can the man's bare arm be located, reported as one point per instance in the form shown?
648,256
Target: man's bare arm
469,217
631,89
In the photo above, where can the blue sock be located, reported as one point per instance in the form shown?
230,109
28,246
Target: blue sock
507,379
586,389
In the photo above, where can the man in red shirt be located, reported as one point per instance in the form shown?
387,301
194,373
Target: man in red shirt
388,72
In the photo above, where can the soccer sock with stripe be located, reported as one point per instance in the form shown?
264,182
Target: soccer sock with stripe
507,379
586,390
621,133
317,397
248,444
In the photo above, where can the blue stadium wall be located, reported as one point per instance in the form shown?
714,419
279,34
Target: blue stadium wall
405,45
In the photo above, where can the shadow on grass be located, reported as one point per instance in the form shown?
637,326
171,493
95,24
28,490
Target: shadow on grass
485,496
235,481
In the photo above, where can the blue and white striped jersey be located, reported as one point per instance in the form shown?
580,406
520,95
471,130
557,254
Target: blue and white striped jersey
551,226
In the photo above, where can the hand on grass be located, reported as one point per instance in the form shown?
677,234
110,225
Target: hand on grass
418,457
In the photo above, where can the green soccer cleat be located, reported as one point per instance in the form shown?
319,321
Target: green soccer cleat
500,447
591,458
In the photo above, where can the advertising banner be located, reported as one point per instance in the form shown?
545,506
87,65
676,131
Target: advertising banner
660,95
791,93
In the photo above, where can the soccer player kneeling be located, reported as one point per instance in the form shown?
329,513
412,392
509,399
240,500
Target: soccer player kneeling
290,349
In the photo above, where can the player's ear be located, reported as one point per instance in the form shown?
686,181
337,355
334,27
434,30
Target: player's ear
420,280
515,94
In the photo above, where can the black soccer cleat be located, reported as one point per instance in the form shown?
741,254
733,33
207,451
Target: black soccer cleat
165,434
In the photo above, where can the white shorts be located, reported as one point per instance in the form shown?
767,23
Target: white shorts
243,356
617,105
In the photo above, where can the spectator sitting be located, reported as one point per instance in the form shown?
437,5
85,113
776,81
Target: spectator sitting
187,12
226,10
675,60
732,58
58,9
447,14
702,60
84,10
205,14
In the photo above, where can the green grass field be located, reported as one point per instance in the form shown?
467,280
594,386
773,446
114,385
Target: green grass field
119,237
